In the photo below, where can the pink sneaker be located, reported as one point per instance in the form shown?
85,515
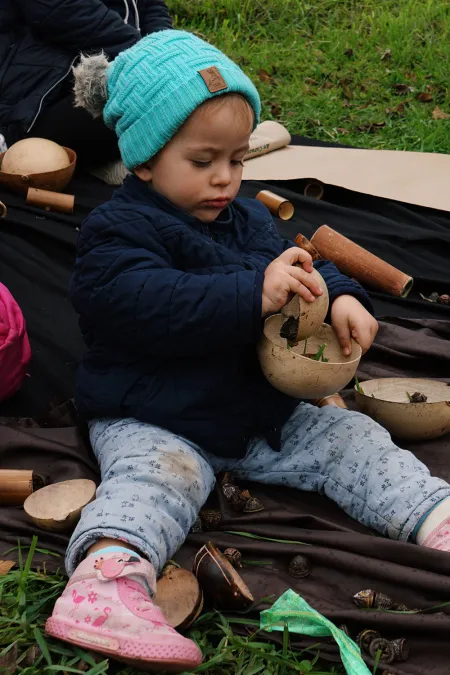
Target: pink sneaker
439,537
104,610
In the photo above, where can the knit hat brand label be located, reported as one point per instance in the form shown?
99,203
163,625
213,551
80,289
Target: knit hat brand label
213,79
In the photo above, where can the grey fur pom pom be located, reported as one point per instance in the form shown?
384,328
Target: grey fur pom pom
90,83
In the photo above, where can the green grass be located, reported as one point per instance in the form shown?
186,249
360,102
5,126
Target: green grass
27,597
328,69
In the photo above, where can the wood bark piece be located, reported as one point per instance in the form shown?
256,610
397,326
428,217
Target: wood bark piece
50,201
301,319
16,485
386,401
58,506
179,597
219,580
302,242
278,206
355,261
296,375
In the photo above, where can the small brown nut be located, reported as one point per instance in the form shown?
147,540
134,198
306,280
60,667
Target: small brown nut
234,556
385,647
365,639
253,505
401,649
299,567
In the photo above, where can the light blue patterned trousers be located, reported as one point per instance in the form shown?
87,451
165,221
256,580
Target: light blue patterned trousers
154,482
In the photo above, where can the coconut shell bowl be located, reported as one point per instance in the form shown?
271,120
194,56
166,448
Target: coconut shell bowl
55,179
295,373
409,408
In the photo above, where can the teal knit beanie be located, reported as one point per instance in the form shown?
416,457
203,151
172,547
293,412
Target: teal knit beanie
153,87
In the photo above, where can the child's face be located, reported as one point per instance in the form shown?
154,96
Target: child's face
200,169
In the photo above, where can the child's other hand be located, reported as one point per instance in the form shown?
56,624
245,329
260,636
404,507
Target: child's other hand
350,319
282,280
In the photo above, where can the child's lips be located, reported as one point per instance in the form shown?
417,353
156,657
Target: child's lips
218,202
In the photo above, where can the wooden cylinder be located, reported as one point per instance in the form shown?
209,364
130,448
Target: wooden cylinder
305,244
278,206
314,189
335,400
3,210
50,201
15,486
355,261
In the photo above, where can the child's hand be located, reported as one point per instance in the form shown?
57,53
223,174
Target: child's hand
282,280
350,318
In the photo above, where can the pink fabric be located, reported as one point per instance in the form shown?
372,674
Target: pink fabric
15,351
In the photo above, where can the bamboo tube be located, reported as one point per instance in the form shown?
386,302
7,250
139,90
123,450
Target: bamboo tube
17,485
355,261
314,189
50,201
278,206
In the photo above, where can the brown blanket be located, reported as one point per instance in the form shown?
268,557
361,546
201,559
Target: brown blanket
345,556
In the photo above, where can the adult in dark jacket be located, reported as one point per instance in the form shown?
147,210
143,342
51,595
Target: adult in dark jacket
40,42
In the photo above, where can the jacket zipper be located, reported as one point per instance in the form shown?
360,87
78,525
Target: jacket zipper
47,92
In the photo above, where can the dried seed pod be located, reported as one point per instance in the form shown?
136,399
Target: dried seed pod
210,519
417,397
370,599
433,297
253,505
365,639
234,556
444,299
299,567
401,649
385,647
219,580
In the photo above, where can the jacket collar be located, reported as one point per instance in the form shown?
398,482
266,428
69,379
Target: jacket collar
136,189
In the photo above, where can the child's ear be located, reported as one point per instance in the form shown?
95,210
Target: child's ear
144,172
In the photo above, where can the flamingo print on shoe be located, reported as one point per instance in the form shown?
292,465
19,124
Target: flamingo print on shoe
127,626
110,568
77,599
100,620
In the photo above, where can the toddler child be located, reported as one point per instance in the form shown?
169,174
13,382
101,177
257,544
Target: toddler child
172,281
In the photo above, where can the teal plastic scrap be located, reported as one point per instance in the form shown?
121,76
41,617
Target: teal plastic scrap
292,611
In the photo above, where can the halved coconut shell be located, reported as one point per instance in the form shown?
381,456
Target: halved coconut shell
300,319
55,178
179,597
219,580
386,401
58,506
299,376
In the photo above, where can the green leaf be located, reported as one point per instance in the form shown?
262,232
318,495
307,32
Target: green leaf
43,645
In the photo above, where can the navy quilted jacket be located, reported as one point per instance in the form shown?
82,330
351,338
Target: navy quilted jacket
170,310
40,40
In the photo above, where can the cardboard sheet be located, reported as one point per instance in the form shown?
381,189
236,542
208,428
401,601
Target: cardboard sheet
411,177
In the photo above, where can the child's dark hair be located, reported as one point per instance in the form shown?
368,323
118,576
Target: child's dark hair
241,107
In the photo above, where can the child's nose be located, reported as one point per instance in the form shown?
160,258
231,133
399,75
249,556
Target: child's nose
222,175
